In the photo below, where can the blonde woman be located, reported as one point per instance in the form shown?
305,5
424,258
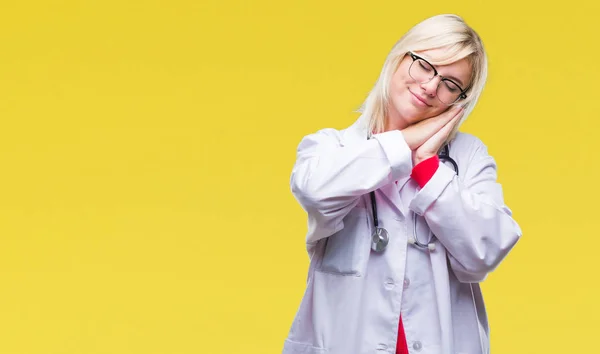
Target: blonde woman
405,215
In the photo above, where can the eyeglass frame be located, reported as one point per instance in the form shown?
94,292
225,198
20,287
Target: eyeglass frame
461,95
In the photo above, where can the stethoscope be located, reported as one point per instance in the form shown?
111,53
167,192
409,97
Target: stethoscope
380,237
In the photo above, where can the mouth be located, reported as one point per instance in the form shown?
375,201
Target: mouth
419,100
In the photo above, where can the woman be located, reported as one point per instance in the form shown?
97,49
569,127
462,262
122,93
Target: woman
398,237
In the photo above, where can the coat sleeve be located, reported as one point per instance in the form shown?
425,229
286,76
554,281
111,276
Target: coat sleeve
468,216
328,178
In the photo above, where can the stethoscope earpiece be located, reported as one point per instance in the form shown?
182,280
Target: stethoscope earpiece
430,246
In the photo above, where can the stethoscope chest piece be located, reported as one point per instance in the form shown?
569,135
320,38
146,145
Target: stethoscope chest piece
380,239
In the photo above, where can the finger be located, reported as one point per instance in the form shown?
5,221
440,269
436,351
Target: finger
437,122
420,132
456,111
446,129
444,119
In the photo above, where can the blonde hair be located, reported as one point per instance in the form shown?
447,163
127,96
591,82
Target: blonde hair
442,31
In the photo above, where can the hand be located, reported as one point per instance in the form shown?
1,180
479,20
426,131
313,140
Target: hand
432,145
417,134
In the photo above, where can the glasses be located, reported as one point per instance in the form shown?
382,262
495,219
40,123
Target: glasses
448,91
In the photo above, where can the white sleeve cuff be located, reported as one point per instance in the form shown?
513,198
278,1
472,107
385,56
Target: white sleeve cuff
433,189
397,152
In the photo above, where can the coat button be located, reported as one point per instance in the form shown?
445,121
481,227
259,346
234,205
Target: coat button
389,283
417,346
406,283
381,346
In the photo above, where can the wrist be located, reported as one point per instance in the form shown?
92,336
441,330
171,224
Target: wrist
417,159
423,171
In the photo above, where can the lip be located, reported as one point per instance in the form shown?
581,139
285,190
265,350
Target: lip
422,101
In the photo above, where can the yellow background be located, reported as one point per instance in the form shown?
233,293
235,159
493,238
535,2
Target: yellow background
146,149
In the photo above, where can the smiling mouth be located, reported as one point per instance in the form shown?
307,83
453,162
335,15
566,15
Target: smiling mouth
420,99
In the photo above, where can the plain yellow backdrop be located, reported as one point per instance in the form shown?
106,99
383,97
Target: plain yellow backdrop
146,149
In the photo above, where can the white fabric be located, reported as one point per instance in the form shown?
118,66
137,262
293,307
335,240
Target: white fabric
354,296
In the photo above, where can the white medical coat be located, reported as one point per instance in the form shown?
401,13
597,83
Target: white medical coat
354,296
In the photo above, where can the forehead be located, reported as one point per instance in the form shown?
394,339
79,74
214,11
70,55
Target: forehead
460,70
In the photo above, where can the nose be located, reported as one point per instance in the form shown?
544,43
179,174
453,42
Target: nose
431,86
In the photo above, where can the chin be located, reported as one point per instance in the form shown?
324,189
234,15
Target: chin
410,115
406,112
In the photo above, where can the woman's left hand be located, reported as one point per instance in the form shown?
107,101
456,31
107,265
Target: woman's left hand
431,147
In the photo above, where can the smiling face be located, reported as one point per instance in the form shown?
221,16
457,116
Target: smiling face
411,101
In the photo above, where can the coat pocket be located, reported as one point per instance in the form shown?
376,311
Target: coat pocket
291,347
347,251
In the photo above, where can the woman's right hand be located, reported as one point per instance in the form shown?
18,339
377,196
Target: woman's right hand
418,133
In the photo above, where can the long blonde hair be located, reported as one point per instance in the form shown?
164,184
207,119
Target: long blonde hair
446,31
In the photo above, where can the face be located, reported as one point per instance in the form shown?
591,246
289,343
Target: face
411,101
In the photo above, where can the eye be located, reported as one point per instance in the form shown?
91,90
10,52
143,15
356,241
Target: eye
451,86
425,66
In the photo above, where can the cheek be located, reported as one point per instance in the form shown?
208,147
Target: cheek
400,94
401,101
399,81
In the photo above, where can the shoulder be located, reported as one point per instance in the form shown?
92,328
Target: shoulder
467,142
471,155
325,134
468,149
332,137
468,146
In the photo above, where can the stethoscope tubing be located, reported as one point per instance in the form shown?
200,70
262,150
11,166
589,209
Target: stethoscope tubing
380,238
